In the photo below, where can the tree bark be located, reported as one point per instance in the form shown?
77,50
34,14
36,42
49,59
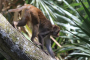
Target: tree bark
14,46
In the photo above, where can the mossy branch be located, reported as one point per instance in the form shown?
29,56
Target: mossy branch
14,46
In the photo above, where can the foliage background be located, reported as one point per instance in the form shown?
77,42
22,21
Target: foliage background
73,17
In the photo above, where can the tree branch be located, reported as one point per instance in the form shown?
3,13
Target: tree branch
14,46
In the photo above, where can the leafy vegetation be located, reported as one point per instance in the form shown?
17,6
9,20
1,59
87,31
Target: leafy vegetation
74,22
73,17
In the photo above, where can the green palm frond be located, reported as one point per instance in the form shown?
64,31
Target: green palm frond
75,26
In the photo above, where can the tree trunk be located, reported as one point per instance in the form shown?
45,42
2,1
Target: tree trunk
14,46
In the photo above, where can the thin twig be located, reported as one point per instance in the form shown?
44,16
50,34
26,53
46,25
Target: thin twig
55,41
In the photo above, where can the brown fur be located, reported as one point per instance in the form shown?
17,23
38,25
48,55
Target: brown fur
41,26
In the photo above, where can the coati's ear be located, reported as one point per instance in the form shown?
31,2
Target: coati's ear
55,27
